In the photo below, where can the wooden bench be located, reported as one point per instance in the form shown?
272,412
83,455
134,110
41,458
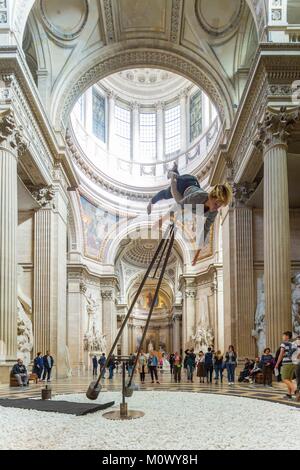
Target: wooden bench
13,382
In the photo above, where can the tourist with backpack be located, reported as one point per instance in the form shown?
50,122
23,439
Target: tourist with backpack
287,368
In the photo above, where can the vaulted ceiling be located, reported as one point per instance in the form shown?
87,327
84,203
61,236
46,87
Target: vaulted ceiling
71,45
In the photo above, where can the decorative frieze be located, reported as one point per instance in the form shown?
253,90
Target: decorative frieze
107,295
176,20
109,21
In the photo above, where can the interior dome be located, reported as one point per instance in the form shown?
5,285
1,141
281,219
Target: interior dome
133,125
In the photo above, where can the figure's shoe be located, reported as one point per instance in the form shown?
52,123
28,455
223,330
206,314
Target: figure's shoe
149,208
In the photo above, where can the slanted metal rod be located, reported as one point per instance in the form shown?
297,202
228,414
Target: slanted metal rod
170,245
146,275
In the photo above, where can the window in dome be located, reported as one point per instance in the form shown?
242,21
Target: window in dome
98,115
172,129
123,132
195,115
148,136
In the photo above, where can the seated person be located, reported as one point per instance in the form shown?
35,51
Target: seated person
257,368
245,373
20,372
185,189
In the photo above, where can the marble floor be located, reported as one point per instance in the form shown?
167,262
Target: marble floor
79,384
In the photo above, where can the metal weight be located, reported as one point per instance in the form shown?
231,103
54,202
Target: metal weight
93,392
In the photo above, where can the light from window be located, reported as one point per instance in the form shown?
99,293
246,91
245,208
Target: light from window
172,130
98,115
148,136
195,115
123,132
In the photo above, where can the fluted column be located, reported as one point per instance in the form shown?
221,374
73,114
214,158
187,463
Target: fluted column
12,145
272,140
244,291
43,226
176,332
109,318
189,317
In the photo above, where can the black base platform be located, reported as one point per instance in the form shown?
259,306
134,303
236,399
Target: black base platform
55,406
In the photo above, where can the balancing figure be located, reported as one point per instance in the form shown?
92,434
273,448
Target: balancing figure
185,189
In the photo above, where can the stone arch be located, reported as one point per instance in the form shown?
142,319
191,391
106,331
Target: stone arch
111,249
195,68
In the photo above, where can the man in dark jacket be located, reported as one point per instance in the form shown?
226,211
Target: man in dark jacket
208,364
20,372
48,364
95,366
190,363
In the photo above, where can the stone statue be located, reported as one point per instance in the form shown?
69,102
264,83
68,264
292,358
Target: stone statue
93,339
259,333
296,304
203,339
150,347
24,334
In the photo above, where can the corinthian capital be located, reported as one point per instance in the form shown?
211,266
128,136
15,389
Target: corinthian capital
107,295
11,133
276,127
43,195
242,192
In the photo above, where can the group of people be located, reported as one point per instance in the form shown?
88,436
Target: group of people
42,367
204,365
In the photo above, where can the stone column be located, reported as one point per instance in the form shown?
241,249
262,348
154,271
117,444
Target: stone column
109,317
50,271
272,140
160,147
43,250
176,318
12,145
189,316
75,321
244,291
136,132
219,333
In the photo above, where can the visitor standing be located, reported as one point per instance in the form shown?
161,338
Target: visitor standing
95,366
171,361
230,362
208,362
190,363
111,366
177,367
101,363
267,366
287,368
152,364
218,366
48,362
142,361
201,367
38,365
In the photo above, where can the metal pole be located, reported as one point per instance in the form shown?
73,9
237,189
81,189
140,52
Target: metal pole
169,229
170,242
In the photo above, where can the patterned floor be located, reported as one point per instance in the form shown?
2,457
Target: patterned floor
80,385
